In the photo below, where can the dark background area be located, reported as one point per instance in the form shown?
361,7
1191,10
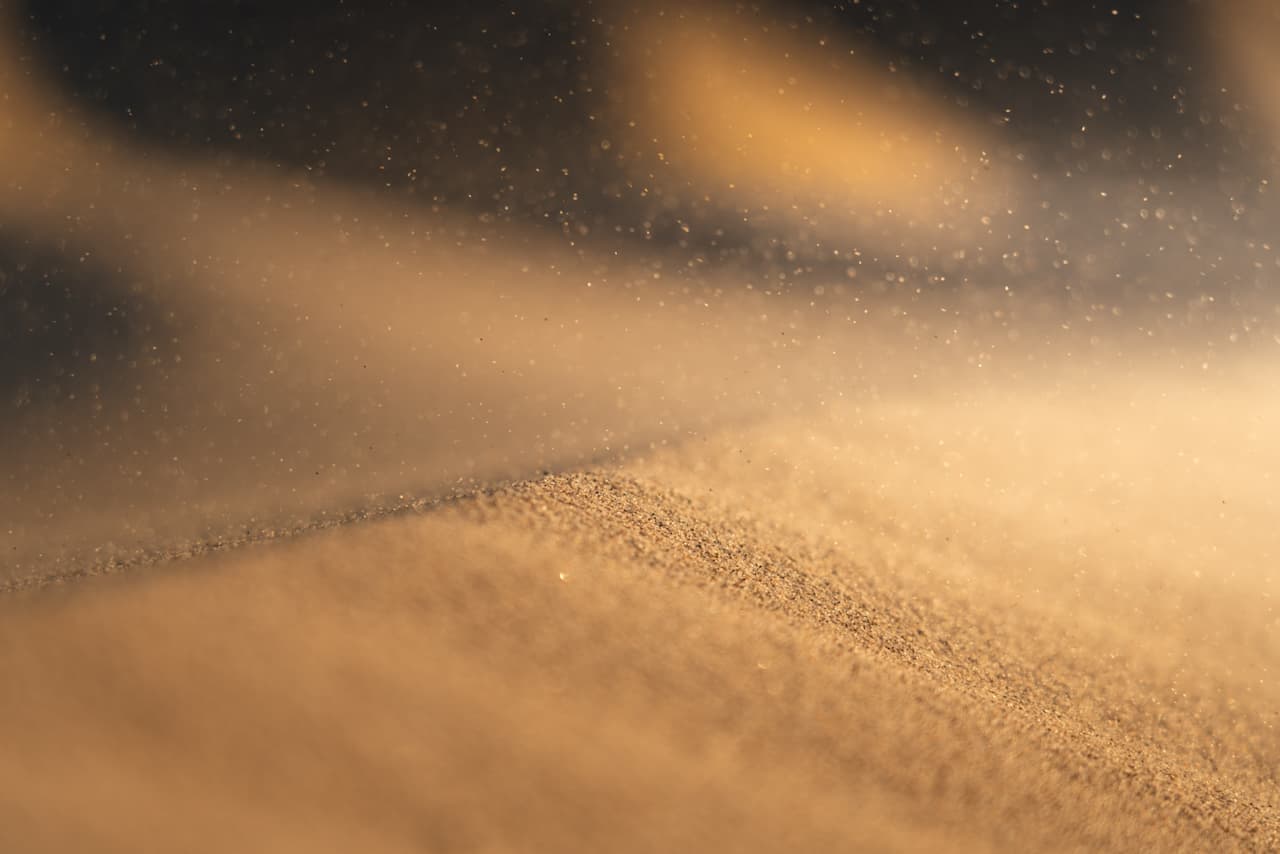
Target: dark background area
488,105
495,112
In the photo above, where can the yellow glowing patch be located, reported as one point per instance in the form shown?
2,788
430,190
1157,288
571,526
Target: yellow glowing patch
830,134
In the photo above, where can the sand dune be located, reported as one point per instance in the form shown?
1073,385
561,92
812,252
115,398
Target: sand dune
773,637
353,523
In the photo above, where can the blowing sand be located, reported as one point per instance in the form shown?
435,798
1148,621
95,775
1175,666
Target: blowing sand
972,551
776,637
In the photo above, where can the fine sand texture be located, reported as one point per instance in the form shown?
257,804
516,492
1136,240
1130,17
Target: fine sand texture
973,625
852,476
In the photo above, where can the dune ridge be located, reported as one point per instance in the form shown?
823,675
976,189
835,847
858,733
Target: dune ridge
364,523
740,642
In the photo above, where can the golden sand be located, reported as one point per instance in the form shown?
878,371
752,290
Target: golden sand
434,536
868,630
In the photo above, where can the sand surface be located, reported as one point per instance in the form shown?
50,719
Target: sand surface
774,637
920,499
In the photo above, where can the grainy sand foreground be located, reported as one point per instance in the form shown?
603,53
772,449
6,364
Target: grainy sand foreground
978,626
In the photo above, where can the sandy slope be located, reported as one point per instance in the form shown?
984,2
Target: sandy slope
819,566
774,637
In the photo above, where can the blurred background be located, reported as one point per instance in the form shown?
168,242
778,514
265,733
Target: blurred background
1126,126
212,217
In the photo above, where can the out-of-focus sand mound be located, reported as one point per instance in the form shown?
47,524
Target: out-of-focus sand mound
912,625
